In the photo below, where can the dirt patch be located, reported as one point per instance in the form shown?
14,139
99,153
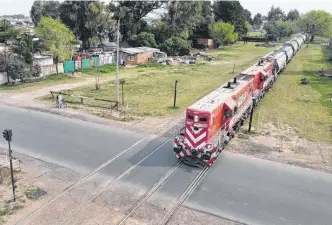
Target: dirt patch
193,217
36,183
284,145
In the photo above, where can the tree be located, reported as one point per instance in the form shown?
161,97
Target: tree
247,16
285,28
58,39
26,47
131,14
231,12
7,31
257,21
206,18
293,15
272,31
224,32
321,19
182,18
276,14
175,46
228,11
44,8
143,39
87,19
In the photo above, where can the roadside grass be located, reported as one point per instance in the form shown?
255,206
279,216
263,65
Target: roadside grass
306,108
49,81
150,91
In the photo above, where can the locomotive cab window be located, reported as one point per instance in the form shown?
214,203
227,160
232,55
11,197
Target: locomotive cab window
203,119
226,114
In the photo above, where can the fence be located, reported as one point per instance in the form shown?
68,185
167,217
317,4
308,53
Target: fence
71,66
87,98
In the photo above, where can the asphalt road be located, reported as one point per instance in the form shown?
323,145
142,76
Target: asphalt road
72,143
237,187
255,191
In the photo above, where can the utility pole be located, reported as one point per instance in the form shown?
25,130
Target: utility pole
251,114
117,63
7,134
176,82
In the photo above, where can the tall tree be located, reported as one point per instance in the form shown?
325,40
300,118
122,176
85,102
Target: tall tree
257,21
275,14
228,11
87,19
131,14
57,38
206,19
44,8
247,16
183,17
293,15
321,19
231,12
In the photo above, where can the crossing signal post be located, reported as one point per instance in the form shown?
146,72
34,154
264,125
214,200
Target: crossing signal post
7,134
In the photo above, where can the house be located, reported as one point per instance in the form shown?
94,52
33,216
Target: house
203,43
134,56
108,46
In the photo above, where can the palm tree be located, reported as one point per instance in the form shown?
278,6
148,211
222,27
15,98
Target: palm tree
26,46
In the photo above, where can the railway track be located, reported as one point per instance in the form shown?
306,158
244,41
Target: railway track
100,168
114,182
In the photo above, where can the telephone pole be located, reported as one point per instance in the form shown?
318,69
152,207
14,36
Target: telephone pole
117,63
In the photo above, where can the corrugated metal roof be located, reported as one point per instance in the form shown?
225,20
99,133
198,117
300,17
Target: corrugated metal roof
131,50
148,49
139,50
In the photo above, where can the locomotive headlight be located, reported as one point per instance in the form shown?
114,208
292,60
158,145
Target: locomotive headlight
196,118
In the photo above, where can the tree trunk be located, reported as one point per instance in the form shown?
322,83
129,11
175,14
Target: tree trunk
57,70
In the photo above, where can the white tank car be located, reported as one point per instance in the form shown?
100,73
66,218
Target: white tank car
288,50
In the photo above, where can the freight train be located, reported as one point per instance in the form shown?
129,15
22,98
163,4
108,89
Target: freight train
212,121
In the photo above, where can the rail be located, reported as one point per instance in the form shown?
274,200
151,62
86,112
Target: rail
84,97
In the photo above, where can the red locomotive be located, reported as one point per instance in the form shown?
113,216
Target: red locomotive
212,121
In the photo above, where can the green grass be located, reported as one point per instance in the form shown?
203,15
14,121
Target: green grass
49,81
149,91
304,107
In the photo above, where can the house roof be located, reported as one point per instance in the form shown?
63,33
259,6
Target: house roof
148,49
138,50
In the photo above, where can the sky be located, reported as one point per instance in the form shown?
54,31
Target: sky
9,7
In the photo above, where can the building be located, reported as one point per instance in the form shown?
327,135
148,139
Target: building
203,43
139,55
108,46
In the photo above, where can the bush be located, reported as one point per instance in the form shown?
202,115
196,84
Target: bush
176,46
20,70
143,39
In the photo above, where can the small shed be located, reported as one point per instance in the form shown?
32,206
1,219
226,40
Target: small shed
134,56
108,46
203,43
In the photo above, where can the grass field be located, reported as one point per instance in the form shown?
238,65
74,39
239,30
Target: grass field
49,81
149,92
304,107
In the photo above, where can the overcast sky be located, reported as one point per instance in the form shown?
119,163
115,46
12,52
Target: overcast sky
262,6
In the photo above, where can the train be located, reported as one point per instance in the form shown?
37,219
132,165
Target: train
212,121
